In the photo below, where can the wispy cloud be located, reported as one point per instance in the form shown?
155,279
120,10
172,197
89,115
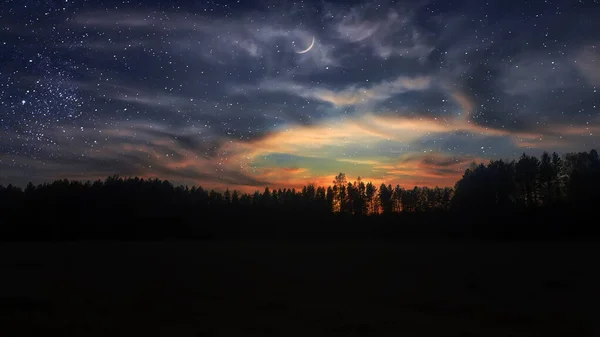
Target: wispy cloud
116,20
391,35
432,169
588,62
139,149
351,95
224,99
138,94
215,40
537,74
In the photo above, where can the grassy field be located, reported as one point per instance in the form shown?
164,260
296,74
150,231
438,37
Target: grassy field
368,288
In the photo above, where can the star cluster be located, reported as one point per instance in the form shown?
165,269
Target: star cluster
38,93
221,93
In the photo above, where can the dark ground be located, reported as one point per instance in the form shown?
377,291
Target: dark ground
272,288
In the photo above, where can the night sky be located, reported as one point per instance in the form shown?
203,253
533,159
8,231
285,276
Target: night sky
246,94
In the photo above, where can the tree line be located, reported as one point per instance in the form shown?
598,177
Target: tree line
548,190
550,181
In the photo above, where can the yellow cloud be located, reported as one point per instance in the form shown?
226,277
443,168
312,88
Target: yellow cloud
359,161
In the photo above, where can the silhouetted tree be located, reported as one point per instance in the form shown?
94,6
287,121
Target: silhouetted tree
397,199
486,187
370,194
266,198
339,190
330,199
409,201
583,184
563,190
227,196
527,171
559,178
548,176
385,197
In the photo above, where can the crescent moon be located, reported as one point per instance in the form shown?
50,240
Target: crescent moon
309,47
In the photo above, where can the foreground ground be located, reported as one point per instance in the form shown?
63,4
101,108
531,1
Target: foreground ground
299,289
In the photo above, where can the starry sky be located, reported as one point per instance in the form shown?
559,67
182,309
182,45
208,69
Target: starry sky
248,94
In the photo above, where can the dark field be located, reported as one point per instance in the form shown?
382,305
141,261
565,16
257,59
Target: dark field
299,289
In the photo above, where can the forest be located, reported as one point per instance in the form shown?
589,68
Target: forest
551,196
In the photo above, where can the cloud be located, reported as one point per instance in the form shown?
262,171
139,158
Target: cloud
149,20
391,35
588,63
142,96
295,170
390,91
382,149
432,169
103,45
445,161
360,161
323,139
139,149
537,74
351,95
358,140
217,40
